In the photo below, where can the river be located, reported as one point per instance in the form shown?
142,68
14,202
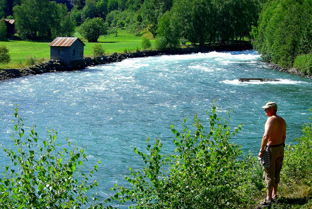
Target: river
113,108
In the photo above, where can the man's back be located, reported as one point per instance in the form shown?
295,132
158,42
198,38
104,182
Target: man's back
276,130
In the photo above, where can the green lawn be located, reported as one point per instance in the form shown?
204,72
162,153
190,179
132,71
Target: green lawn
20,51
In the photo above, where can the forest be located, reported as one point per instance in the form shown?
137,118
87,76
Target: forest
196,21
280,30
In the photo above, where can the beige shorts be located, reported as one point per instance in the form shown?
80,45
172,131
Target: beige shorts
272,174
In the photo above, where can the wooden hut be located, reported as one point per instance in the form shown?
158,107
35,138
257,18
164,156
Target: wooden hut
10,24
66,49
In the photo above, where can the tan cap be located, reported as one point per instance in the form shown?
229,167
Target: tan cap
270,105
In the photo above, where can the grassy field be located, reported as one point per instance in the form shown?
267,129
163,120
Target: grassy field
20,51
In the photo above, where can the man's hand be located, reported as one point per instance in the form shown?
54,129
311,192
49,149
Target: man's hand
260,154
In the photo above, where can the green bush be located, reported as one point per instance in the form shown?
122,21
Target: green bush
304,63
146,43
298,158
31,61
205,171
4,54
97,50
43,176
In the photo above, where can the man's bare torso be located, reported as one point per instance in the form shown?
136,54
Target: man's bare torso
275,128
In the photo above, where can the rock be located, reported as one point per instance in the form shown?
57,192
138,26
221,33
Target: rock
257,79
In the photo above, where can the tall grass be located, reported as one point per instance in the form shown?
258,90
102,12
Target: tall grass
205,170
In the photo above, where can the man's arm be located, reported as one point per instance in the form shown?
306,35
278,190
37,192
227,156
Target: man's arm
265,137
284,132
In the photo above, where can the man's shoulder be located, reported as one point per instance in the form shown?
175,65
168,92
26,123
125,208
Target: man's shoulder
281,118
276,119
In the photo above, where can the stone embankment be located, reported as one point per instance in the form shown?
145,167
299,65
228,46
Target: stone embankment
57,66
288,70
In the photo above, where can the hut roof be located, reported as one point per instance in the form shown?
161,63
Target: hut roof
64,41
11,21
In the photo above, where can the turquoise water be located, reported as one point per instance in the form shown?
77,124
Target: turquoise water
113,108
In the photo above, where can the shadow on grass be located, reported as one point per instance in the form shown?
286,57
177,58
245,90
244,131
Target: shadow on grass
292,201
106,42
286,202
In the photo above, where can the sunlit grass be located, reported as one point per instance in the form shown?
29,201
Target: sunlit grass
20,51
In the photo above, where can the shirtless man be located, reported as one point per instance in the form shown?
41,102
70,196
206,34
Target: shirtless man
274,139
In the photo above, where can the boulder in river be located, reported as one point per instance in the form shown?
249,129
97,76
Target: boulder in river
257,79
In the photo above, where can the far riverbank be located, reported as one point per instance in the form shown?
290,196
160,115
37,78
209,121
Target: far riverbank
57,66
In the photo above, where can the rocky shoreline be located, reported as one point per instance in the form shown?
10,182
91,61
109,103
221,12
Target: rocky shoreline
288,70
57,66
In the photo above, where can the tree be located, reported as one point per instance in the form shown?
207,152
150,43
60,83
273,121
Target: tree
112,18
112,5
34,19
121,24
79,3
167,36
152,10
102,8
6,7
3,30
133,5
39,19
89,10
3,7
122,5
180,19
203,16
75,16
91,29
68,3
66,26
284,31
194,20
201,21
4,55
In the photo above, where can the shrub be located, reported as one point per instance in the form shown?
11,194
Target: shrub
304,63
97,50
31,61
146,43
205,171
127,51
43,176
4,54
298,157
